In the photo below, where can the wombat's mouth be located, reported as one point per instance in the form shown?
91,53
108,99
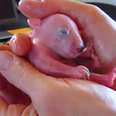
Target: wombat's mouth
89,59
86,57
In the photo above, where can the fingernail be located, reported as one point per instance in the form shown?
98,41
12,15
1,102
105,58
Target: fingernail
6,60
22,1
22,5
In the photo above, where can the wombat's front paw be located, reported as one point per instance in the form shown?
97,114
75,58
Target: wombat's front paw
82,72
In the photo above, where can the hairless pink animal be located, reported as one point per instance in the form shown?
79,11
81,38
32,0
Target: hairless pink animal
56,41
54,38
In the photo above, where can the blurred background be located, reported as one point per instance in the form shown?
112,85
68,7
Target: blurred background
12,21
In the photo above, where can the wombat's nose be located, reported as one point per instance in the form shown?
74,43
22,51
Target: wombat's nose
81,48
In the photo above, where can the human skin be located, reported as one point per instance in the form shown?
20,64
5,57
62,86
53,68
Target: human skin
46,92
51,96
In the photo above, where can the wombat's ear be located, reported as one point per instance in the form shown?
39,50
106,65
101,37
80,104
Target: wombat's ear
34,22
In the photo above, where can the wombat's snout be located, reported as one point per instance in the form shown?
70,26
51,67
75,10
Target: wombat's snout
75,51
81,48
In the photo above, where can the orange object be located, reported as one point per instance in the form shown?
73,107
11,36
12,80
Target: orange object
20,30
20,44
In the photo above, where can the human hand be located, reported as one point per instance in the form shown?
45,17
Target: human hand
94,24
108,23
54,97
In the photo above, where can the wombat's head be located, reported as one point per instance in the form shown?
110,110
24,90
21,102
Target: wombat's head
60,34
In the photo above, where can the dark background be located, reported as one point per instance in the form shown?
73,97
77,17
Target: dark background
6,9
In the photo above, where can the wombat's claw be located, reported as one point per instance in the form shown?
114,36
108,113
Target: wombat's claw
83,72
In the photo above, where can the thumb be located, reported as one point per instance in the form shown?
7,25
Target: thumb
22,75
88,18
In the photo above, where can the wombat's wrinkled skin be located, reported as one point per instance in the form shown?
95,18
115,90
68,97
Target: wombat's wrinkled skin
54,38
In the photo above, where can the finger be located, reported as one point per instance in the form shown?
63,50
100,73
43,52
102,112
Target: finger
22,75
43,8
20,44
84,14
88,17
